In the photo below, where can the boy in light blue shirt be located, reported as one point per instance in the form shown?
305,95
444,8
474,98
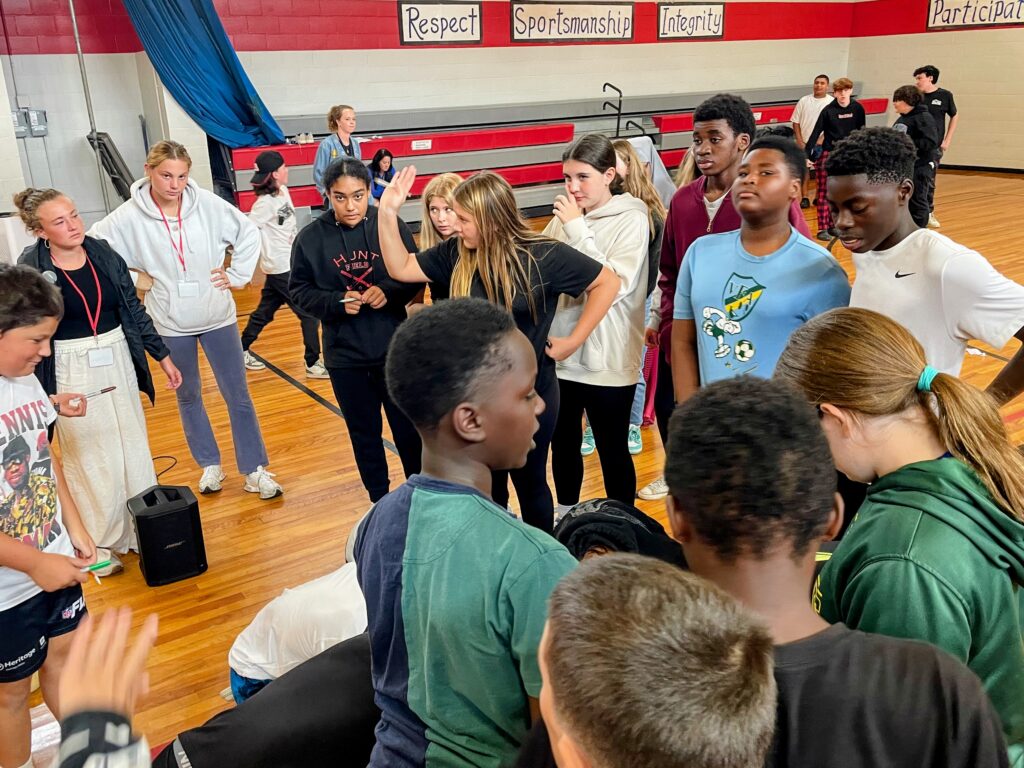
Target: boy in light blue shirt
741,294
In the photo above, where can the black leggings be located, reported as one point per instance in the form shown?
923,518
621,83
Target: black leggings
608,409
664,396
531,480
361,392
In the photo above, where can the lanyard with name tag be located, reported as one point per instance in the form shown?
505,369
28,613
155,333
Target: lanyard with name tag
99,357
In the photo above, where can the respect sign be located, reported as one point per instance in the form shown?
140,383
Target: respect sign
439,23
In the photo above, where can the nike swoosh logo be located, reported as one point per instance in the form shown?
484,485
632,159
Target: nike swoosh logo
904,274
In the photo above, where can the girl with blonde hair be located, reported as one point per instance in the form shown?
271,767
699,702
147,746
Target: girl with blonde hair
178,234
339,143
496,256
936,552
438,222
633,171
101,342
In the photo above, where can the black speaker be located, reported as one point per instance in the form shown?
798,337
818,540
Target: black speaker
170,534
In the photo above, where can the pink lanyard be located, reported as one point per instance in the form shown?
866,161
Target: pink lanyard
179,249
94,320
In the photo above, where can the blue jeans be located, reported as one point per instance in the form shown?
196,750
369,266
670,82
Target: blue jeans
223,350
244,687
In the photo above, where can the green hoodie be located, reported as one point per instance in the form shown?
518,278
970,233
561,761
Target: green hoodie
931,557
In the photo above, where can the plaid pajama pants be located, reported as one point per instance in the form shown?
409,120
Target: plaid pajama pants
820,201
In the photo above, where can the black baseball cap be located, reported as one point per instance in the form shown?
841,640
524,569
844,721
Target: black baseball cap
266,163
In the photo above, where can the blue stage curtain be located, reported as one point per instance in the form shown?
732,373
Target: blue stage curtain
194,58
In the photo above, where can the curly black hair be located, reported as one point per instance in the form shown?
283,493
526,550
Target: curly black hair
750,468
886,156
729,107
439,357
795,158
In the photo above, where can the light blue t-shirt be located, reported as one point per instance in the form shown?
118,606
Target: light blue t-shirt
746,307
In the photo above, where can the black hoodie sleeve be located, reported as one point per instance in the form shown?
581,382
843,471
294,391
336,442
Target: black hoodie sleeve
401,293
150,338
819,126
319,302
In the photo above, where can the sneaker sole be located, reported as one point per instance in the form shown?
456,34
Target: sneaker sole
649,497
278,492
587,453
636,451
317,375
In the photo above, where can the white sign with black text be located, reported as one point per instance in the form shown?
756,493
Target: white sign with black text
690,21
564,22
953,14
439,23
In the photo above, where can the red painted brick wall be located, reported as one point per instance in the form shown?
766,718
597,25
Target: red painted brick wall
44,26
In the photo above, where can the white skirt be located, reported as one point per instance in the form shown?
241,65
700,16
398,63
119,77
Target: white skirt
105,453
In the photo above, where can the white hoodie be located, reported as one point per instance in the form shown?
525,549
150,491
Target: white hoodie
618,235
136,230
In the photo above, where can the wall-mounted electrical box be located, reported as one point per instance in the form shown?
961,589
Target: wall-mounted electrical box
37,122
20,119
29,123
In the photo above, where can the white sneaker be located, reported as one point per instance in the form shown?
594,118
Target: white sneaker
251,363
317,371
654,490
115,566
262,482
933,222
212,477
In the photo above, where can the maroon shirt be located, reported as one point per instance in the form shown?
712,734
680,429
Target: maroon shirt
687,220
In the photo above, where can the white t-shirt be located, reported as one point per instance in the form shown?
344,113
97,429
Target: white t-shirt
300,623
29,507
274,215
942,292
807,111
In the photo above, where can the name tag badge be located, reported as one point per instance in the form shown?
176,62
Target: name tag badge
188,289
101,357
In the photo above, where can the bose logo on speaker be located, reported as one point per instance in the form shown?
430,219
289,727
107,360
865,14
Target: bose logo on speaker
174,544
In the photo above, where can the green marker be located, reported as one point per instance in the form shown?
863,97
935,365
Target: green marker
96,566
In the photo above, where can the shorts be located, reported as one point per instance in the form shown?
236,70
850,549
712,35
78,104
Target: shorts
26,629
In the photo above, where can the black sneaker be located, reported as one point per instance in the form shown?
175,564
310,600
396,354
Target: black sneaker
805,203
824,235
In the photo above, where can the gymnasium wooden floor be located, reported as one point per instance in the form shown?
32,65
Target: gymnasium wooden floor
257,548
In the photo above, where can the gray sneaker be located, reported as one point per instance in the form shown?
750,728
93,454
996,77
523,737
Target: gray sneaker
251,363
654,490
317,371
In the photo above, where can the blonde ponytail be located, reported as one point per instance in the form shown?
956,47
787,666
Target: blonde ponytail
865,362
969,425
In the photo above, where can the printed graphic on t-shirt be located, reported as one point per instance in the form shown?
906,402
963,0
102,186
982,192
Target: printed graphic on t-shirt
356,269
284,213
740,295
844,115
28,492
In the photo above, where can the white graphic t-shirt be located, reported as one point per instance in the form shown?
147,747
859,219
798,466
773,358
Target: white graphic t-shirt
275,217
29,508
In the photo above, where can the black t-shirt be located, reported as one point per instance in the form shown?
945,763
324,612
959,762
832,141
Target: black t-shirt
941,105
556,269
75,322
836,123
849,699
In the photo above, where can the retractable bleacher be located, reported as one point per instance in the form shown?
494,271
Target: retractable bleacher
522,142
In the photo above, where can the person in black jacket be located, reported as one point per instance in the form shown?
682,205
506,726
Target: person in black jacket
917,122
837,121
338,276
101,342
